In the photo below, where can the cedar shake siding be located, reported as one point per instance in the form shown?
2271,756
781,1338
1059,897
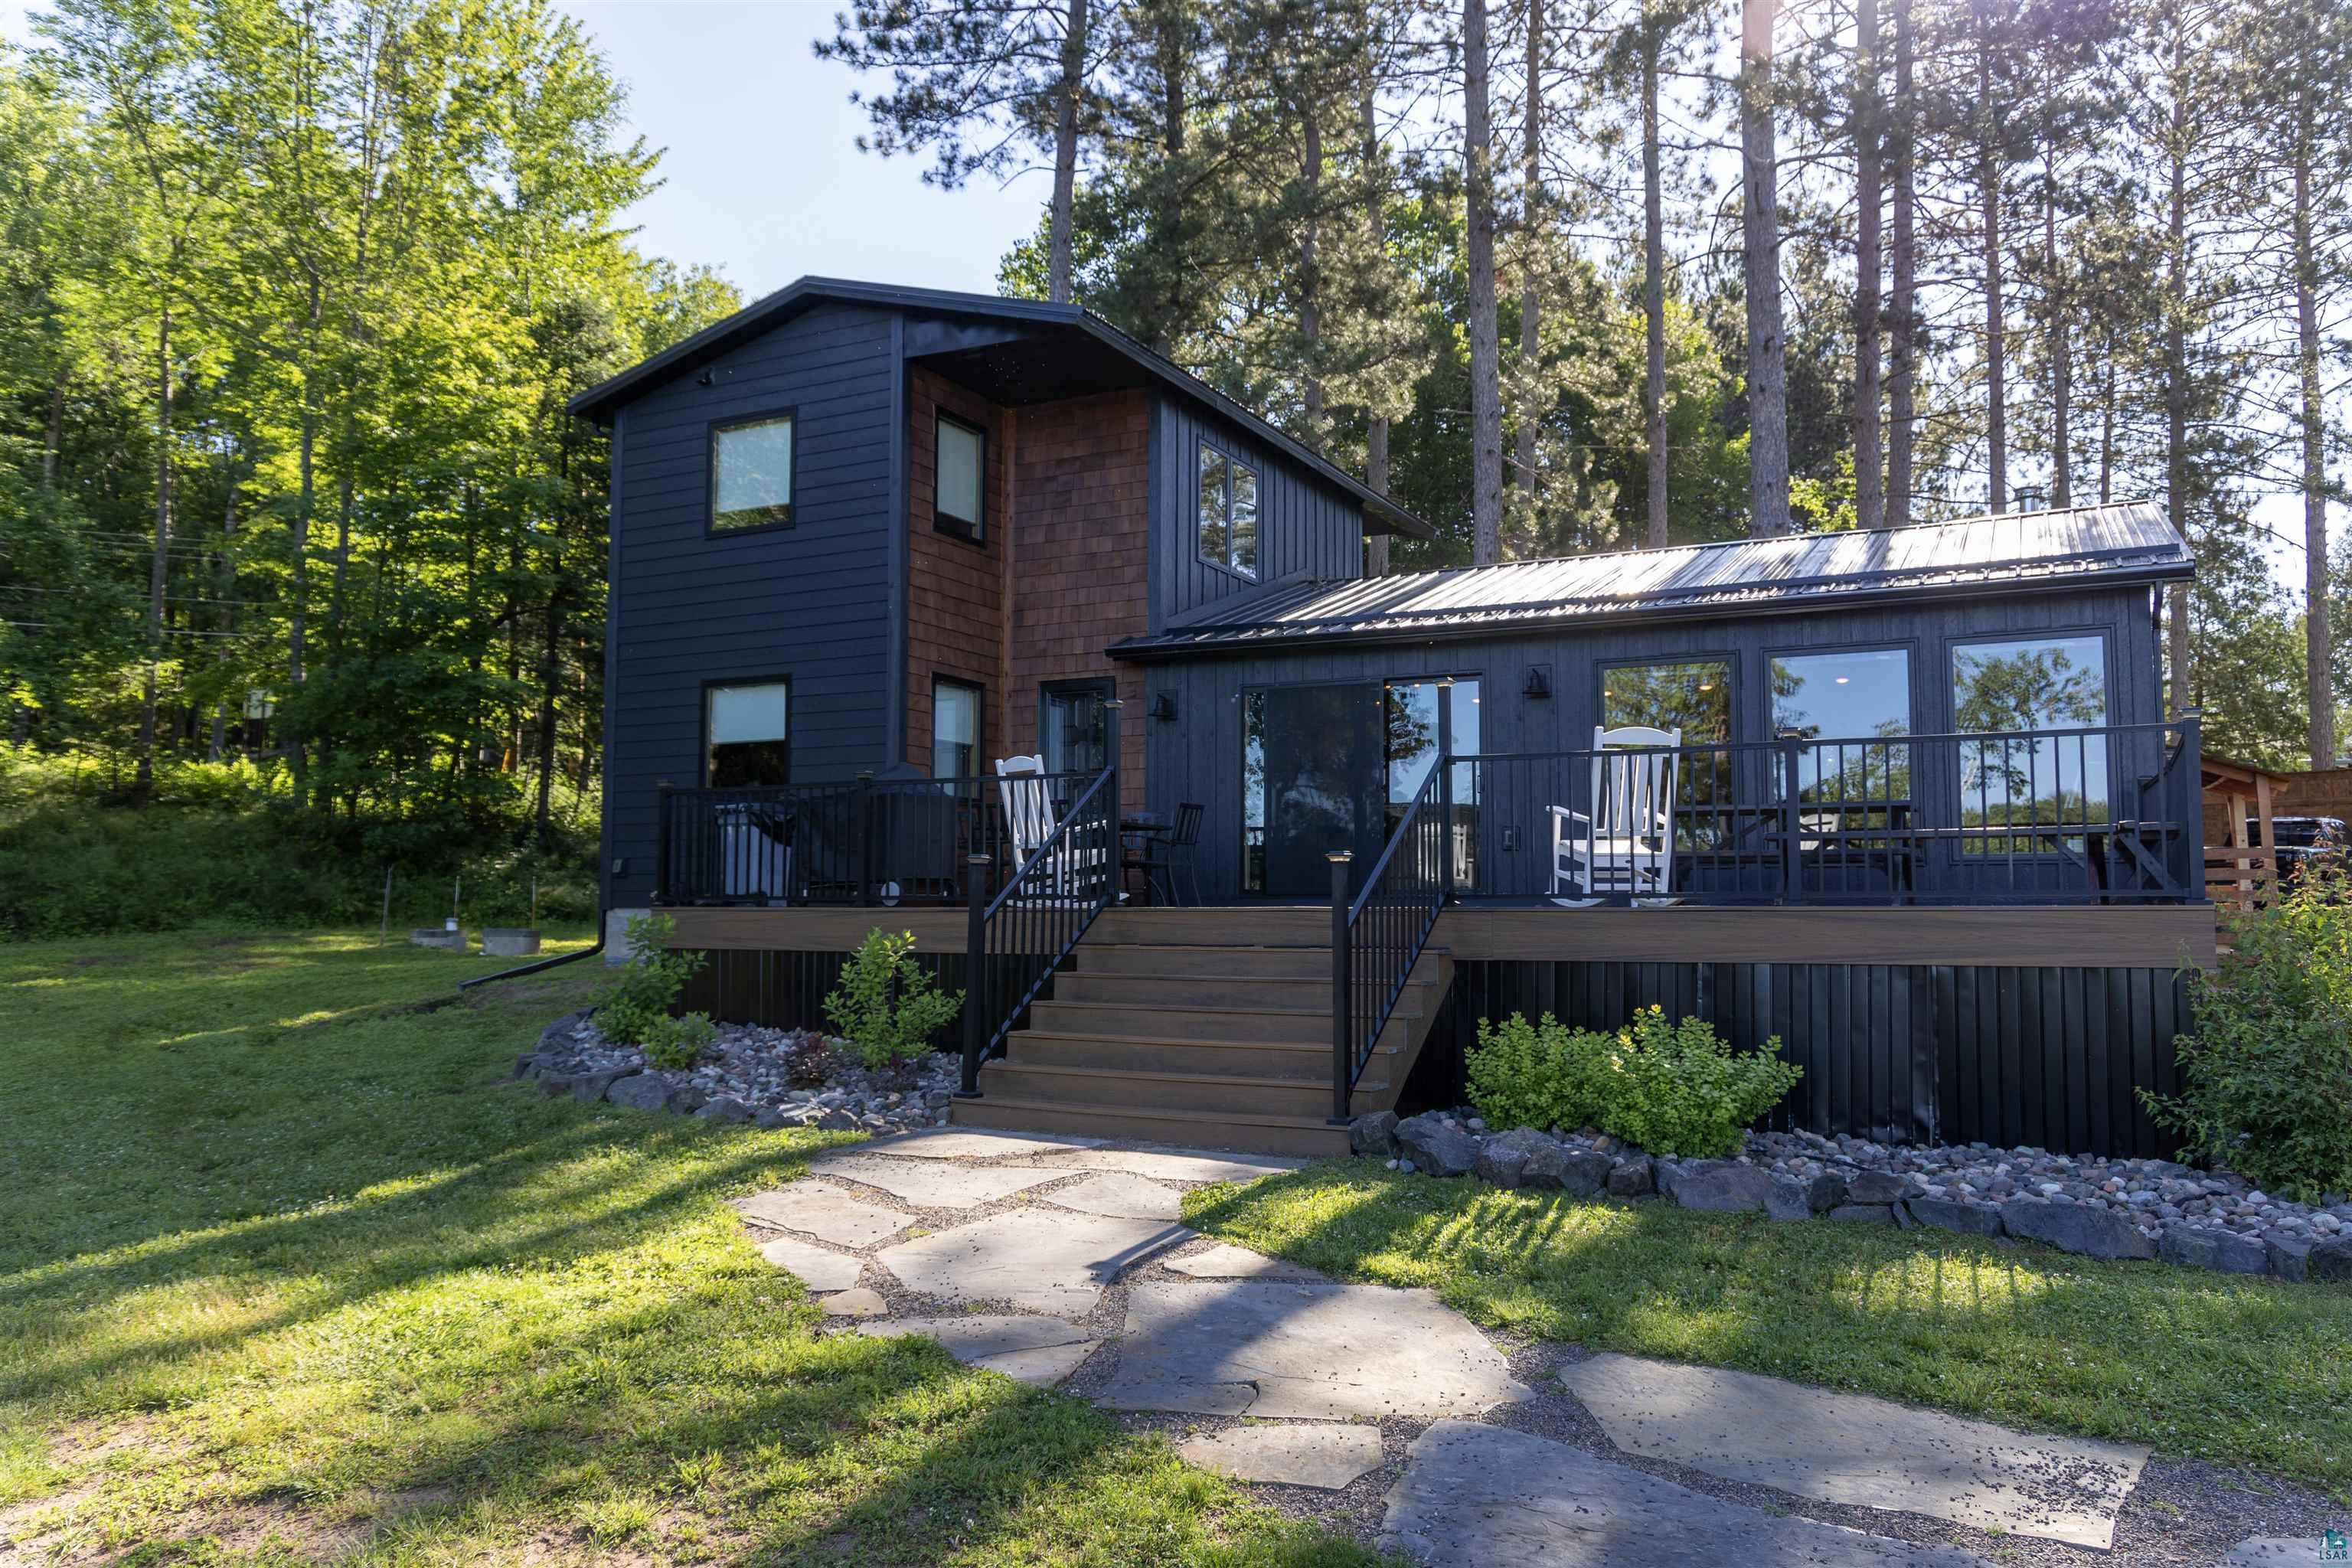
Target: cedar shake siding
955,593
811,603
1081,569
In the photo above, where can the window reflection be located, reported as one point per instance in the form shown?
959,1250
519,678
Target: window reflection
2018,689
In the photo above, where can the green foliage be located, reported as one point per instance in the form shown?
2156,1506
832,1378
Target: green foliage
2266,1076
634,1007
886,1007
1671,1089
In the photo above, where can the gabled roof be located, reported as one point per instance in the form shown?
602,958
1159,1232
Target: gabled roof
599,401
2128,543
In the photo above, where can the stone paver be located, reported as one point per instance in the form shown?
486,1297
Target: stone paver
1128,1197
1303,1350
818,1270
2286,1552
973,1143
1044,1260
1224,1261
1852,1448
933,1184
1177,1165
1328,1454
859,1303
1474,1496
823,1211
1041,1352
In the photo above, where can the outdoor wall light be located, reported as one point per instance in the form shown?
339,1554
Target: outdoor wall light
1164,706
1538,681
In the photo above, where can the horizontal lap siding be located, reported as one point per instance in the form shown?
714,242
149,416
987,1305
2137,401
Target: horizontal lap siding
955,594
1923,1053
811,603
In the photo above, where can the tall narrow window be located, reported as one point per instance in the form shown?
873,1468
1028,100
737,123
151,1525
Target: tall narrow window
752,473
747,735
2022,691
1851,704
961,455
955,730
1070,730
1227,528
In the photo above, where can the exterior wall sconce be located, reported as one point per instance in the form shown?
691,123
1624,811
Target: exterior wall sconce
1164,706
1538,681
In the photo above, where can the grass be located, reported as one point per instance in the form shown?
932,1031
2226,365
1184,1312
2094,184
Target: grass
284,1276
2243,1371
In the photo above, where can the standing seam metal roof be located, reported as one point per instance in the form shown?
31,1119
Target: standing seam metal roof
2128,539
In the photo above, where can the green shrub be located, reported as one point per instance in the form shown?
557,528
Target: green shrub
1671,1089
886,1007
634,1007
2266,1076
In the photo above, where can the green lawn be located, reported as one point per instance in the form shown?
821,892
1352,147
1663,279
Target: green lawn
2242,1371
286,1276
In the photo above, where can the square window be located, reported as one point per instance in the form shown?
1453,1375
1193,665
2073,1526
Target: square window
961,459
747,735
955,730
752,473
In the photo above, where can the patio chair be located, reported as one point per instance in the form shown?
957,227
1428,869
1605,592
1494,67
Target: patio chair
1626,845
1163,855
755,852
1029,821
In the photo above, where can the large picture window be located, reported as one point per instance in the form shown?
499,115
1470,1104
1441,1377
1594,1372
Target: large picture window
2023,690
960,457
1695,697
747,735
1228,511
955,729
752,473
1844,701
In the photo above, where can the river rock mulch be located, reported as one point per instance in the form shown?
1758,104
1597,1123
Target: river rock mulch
2084,1204
748,1074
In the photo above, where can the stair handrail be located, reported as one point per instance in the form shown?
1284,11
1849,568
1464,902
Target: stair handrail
1036,918
1379,935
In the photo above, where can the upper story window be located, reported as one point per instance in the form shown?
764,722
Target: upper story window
1228,511
752,473
959,455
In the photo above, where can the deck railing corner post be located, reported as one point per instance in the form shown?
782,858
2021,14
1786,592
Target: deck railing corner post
1342,1050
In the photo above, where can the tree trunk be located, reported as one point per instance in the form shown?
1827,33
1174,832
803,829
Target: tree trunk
1903,344
1996,346
142,784
1310,276
1066,152
1486,349
1768,387
2062,350
1523,448
550,672
1176,307
1376,432
1653,290
2318,641
2176,386
53,438
2108,421
1869,494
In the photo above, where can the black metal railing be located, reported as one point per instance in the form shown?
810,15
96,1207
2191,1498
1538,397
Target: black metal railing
2093,815
1378,935
868,841
1020,935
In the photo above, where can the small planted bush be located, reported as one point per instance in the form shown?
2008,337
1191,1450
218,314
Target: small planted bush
634,1007
886,1007
2267,1074
1671,1089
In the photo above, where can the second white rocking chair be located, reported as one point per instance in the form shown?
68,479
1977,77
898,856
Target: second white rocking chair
1626,845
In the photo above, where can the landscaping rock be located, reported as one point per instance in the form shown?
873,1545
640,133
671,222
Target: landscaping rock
1501,1163
1967,1219
1788,1199
1864,1213
1374,1136
1723,1185
582,1085
2075,1227
1631,1177
1879,1187
1325,1455
640,1091
2290,1258
2223,1251
559,1034
726,1107
1433,1147
1579,1172
2331,1261
857,1303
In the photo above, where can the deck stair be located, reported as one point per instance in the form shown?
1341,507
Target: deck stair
1211,1028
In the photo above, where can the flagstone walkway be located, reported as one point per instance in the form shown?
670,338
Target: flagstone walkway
1058,1262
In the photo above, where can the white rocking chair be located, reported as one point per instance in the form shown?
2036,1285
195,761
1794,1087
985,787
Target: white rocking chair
1627,844
1029,818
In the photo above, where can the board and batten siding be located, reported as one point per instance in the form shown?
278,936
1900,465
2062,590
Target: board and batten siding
1305,527
814,602
1199,757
